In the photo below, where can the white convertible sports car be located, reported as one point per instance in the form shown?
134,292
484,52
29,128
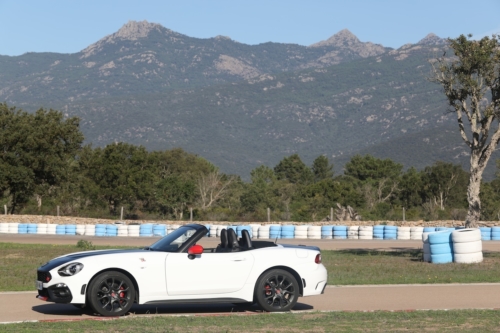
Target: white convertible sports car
177,270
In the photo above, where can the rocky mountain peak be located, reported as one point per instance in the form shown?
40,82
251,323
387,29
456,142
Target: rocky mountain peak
342,38
133,30
432,39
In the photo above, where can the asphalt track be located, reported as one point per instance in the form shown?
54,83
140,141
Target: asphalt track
23,306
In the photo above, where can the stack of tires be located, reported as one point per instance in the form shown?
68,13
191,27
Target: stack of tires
288,231
51,229
22,228
212,232
146,230
134,230
111,230
378,232
70,229
495,233
327,232
159,230
274,231
206,226
42,229
339,232
32,228
365,232
485,233
13,228
80,229
353,232
89,229
390,232
467,246
100,230
4,228
60,229
403,233
441,246
255,230
416,233
122,230
426,246
219,229
429,229
314,232
263,232
239,230
301,231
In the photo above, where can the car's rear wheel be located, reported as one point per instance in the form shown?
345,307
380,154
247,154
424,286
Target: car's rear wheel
277,291
111,294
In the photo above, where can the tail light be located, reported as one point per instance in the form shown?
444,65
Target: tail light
318,258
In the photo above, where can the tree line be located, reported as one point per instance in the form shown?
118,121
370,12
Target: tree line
44,164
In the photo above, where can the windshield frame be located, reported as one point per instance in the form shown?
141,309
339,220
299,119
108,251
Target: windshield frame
166,243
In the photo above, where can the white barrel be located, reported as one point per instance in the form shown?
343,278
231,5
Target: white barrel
263,232
80,229
4,228
13,227
89,229
51,229
314,232
301,231
213,230
42,229
219,229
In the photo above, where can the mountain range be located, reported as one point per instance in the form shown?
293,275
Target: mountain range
240,106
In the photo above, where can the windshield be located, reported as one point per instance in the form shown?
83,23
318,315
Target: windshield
173,241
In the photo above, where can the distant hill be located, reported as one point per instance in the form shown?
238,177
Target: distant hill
241,105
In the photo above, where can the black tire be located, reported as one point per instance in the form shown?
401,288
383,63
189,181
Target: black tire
111,294
277,291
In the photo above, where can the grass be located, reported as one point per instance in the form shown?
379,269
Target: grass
18,264
427,321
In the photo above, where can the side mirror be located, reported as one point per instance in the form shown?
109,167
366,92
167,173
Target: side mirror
195,250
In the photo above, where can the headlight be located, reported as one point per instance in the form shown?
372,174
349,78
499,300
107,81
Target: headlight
70,269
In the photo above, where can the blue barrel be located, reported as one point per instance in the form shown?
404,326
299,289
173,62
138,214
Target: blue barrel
70,229
146,230
429,229
275,231
441,247
339,232
378,232
390,232
100,230
240,228
443,228
159,230
61,229
22,228
495,233
485,233
32,228
111,230
288,231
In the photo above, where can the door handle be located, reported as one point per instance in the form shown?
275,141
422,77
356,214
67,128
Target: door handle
239,259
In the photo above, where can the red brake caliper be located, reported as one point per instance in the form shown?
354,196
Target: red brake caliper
268,290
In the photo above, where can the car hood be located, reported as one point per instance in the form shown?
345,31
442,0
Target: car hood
79,255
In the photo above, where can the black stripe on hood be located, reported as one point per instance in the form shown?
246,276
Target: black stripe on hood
75,256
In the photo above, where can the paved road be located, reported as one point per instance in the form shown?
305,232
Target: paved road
24,306
324,244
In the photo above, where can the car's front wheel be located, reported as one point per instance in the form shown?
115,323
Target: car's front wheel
111,294
277,291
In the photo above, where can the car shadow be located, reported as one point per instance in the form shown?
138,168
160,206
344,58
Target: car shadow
69,310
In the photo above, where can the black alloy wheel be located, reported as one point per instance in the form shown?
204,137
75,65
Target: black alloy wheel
111,294
277,291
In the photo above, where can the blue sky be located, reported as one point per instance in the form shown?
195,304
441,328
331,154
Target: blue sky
71,25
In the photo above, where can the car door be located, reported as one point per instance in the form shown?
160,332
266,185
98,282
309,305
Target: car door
208,273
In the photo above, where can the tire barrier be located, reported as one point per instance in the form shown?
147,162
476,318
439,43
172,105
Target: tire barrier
327,232
219,228
263,232
89,229
353,232
134,230
122,230
495,233
301,231
111,230
485,233
467,246
288,231
4,228
80,229
378,232
32,228
255,230
441,247
60,229
404,233
159,230
42,229
22,228
212,231
13,228
274,231
390,232
340,232
365,232
51,229
146,230
239,230
100,230
416,233
314,232
429,229
70,229
426,247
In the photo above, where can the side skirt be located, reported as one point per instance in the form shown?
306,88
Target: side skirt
200,300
